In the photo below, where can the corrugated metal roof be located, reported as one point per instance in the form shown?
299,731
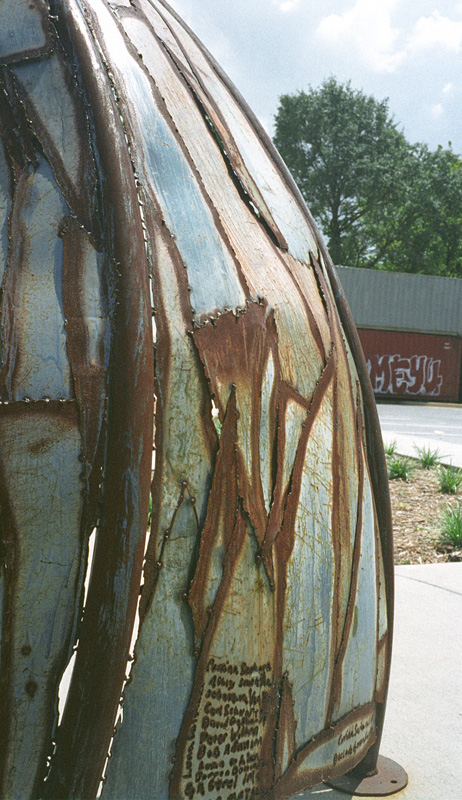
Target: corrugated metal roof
403,301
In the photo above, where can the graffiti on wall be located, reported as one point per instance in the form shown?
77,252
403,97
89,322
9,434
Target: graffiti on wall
415,375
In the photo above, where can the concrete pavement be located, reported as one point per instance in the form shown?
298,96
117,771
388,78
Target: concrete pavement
432,425
449,452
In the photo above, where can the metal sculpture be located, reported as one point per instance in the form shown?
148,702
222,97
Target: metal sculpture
130,172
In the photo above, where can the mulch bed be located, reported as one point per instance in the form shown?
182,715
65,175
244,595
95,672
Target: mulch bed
417,506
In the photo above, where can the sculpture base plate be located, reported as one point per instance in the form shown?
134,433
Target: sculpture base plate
388,779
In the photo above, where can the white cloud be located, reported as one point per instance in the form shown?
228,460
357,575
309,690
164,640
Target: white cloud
368,29
436,30
437,110
448,87
286,5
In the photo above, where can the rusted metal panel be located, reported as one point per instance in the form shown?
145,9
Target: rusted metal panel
59,121
285,211
68,284
33,336
185,445
24,32
113,593
413,365
173,183
265,604
42,505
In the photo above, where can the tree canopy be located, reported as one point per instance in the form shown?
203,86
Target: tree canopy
380,201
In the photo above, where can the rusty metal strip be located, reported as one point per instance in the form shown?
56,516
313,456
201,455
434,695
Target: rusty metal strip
287,496
233,352
284,744
304,771
14,129
186,443
88,347
112,598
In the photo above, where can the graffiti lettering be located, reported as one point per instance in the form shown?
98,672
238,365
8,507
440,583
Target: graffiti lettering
416,375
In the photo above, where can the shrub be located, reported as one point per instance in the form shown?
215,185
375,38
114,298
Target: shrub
450,480
400,467
451,525
427,458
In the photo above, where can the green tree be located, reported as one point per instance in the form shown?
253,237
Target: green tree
428,223
342,148
379,201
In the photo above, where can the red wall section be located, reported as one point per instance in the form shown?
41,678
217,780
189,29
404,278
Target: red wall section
414,365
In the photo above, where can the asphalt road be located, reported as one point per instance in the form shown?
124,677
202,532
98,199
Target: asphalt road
426,425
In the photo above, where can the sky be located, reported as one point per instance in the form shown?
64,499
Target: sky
409,51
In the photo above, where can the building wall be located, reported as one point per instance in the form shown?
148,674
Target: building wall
410,327
413,365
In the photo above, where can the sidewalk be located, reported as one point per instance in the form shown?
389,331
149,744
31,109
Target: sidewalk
405,445
423,724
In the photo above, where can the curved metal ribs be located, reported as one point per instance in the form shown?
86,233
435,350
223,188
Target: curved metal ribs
131,171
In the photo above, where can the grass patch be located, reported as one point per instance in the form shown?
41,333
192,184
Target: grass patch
451,525
450,480
427,457
400,468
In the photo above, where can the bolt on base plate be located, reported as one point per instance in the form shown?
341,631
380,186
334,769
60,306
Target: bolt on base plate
388,779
